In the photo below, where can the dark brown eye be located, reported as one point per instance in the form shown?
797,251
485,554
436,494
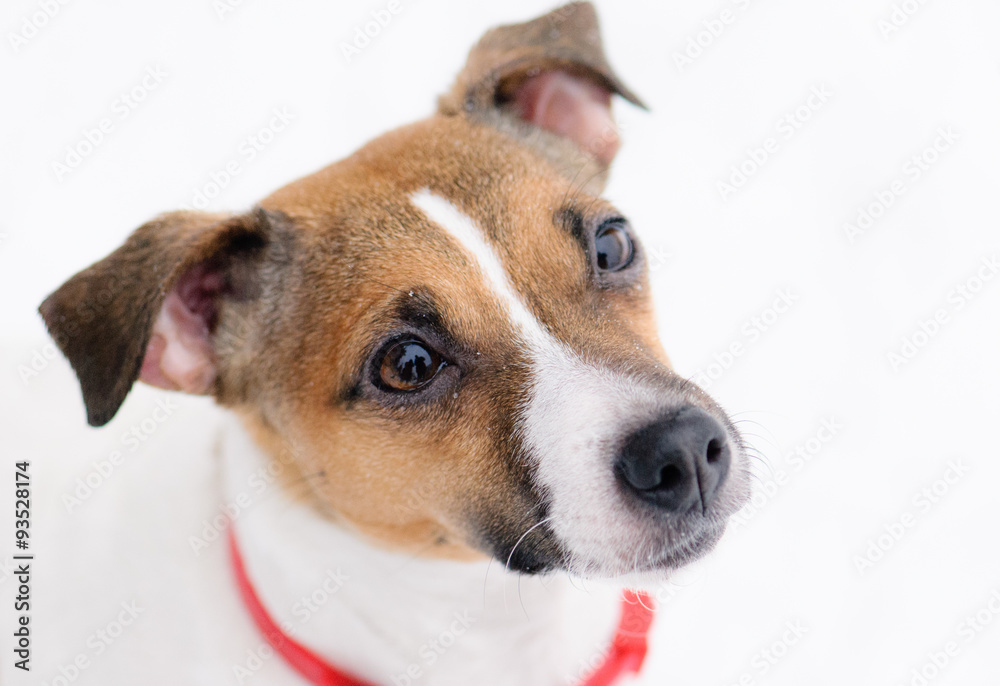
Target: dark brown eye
613,246
409,365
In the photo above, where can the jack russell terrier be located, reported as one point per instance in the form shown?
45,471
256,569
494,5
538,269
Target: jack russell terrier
444,347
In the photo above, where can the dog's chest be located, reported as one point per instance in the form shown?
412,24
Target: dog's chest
146,503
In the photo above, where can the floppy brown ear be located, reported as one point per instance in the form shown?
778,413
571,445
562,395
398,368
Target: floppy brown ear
547,82
151,306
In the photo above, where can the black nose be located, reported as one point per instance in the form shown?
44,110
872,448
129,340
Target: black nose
677,463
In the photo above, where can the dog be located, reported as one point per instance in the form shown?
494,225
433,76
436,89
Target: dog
440,373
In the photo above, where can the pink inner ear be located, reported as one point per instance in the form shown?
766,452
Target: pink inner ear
179,356
573,107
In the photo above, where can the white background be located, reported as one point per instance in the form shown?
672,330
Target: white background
724,261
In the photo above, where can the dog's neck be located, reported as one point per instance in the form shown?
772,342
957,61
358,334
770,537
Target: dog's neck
398,619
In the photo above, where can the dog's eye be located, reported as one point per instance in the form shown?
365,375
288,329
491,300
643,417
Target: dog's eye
613,246
408,366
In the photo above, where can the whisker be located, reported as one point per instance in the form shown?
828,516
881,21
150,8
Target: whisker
486,578
570,189
520,600
511,556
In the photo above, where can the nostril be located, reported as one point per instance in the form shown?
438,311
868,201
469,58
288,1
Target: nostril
671,477
714,452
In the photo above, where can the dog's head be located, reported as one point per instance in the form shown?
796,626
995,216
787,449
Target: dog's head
450,327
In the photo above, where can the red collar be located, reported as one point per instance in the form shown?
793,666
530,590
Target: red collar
628,649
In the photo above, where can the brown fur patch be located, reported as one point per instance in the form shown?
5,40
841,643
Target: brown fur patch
341,261
412,475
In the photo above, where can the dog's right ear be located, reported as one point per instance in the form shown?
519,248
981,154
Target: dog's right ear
548,83
148,310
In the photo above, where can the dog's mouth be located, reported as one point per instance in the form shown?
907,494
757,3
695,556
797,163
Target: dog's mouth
647,550
625,534
663,552
681,552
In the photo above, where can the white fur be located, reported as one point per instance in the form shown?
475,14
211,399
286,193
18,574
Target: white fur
131,541
391,605
135,534
573,421
472,239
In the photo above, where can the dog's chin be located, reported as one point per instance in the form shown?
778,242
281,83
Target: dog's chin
658,568
656,565
643,565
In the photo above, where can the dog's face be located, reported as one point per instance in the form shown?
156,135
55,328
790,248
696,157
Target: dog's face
448,334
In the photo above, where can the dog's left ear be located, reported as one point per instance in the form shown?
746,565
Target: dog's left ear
548,83
149,310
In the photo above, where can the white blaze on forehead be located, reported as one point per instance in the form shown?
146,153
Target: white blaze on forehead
463,229
573,417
